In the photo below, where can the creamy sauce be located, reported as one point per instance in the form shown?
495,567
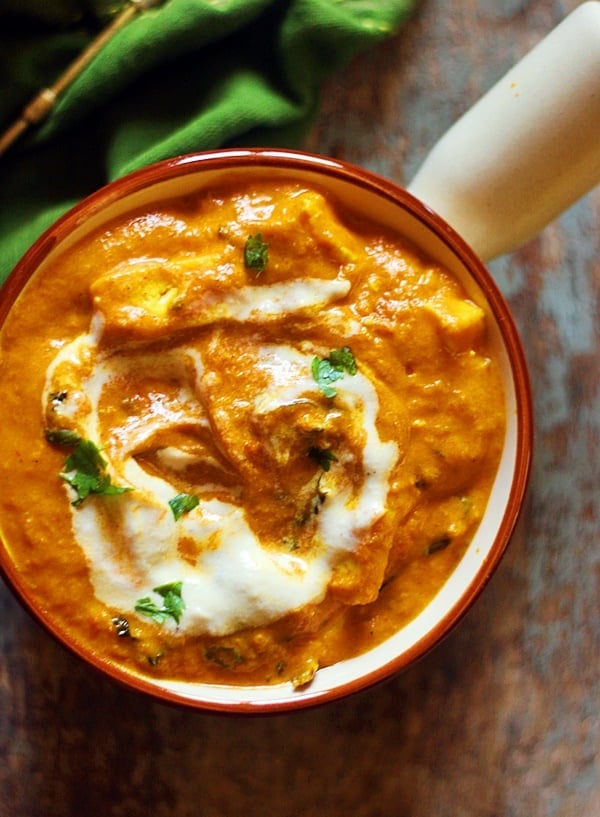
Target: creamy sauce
322,521
236,581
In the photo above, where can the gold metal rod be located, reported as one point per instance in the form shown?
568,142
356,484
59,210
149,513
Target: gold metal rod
41,105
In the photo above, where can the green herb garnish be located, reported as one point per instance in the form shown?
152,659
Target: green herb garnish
256,253
343,359
173,604
326,370
183,503
85,469
322,456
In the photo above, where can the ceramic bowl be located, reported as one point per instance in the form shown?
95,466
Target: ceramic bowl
392,207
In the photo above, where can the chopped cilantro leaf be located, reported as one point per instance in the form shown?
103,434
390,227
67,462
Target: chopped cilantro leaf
322,456
85,471
326,370
173,604
324,375
256,253
343,359
147,607
183,503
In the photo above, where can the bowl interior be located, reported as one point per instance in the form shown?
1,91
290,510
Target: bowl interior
382,202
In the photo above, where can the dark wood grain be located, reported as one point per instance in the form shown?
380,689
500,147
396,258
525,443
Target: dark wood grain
502,719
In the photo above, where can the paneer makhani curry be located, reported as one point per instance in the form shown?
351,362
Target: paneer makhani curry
245,434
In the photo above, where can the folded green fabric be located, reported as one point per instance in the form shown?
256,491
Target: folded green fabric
187,75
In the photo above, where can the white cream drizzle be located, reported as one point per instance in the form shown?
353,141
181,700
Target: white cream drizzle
235,582
261,303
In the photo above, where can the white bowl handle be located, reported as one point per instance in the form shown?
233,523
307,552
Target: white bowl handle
528,149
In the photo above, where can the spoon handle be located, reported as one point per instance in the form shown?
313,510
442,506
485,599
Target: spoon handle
528,149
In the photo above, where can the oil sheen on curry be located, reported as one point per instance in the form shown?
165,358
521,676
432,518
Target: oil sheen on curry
249,434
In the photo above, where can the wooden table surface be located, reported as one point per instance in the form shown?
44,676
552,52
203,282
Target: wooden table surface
502,719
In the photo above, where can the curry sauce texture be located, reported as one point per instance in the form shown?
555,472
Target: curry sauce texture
245,434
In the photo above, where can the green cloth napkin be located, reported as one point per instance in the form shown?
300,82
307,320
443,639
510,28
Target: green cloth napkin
188,75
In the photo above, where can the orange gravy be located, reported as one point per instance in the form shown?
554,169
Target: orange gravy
321,400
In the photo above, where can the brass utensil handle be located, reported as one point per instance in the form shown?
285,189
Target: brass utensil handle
43,103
